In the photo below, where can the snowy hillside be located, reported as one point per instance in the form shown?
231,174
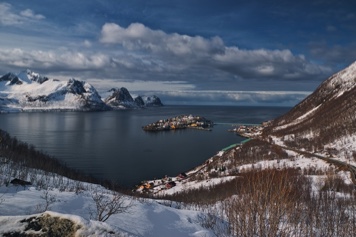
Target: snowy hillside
339,87
143,217
323,118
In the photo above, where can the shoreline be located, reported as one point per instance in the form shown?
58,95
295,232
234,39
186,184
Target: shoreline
155,186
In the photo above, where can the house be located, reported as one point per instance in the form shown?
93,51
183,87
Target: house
170,184
182,176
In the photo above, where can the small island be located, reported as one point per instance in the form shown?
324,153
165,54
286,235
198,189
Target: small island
180,122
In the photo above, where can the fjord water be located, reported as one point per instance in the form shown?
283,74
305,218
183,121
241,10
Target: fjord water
112,145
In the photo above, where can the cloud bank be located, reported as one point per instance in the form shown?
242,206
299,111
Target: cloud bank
135,50
241,98
211,53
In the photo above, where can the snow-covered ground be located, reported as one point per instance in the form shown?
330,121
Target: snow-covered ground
298,120
344,147
144,217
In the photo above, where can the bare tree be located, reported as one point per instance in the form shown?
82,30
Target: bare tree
2,199
213,221
49,200
107,204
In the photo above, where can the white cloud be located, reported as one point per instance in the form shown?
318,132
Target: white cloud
28,13
9,17
59,59
87,43
138,36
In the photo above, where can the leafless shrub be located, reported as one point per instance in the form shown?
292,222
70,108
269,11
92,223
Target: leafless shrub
334,182
108,204
48,198
78,187
265,200
212,221
2,199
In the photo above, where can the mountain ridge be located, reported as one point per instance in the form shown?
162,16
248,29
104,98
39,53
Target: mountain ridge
324,116
30,91
121,98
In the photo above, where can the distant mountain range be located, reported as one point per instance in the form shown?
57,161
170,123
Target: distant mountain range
121,98
29,91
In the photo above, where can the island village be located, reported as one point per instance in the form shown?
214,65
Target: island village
180,122
156,186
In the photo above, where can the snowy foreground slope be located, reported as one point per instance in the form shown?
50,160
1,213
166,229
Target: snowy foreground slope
144,217
54,203
29,91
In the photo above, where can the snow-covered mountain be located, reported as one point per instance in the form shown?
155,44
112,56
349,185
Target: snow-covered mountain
152,101
29,91
324,120
28,76
121,98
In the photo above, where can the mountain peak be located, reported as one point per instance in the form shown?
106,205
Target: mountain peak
11,79
343,80
121,97
74,86
153,101
30,76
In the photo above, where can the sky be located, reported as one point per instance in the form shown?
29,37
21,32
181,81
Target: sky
231,52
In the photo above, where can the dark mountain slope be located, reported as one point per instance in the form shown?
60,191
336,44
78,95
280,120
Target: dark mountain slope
328,114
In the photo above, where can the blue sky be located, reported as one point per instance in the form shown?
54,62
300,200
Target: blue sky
185,51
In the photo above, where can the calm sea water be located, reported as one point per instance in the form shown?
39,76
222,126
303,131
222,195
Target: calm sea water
112,145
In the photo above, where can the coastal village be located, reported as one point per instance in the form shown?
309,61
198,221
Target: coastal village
249,131
160,186
180,122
